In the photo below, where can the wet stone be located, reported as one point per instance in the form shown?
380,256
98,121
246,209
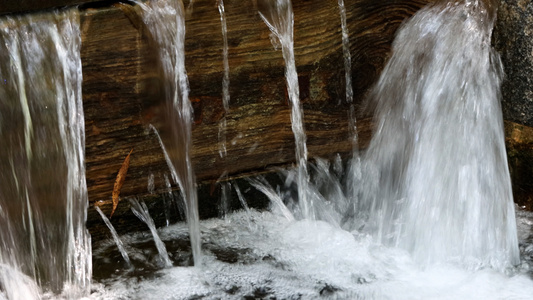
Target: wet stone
513,39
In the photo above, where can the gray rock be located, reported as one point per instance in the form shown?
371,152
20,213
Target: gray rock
513,39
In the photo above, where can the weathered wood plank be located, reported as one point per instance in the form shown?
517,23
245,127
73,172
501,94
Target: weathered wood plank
18,6
122,90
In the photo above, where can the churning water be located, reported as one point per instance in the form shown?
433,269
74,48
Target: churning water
44,245
437,159
432,216
425,212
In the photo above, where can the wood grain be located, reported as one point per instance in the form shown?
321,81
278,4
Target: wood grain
123,87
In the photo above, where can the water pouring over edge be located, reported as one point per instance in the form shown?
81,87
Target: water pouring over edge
441,185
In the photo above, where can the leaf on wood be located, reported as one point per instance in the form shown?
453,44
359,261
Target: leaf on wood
120,181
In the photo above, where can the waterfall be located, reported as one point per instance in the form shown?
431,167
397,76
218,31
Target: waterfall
437,169
43,193
222,151
166,22
279,18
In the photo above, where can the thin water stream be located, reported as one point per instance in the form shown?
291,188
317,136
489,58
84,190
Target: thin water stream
166,22
279,18
116,238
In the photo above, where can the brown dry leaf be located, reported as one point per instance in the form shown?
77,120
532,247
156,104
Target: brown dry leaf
120,181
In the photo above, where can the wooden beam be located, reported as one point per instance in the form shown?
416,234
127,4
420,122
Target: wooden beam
19,6
122,91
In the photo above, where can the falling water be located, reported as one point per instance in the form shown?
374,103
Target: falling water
225,185
346,53
279,18
141,211
434,217
225,79
442,186
166,22
43,193
354,171
115,236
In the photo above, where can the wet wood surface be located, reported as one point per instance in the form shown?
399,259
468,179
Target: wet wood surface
123,90
23,6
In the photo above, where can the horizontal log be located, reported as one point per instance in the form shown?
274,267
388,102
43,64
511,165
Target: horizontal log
122,90
18,6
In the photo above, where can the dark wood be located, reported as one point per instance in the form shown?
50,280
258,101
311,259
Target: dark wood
519,143
122,90
19,6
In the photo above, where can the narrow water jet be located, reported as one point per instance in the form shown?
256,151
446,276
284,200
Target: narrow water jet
440,182
279,18
225,78
43,193
116,238
225,186
141,211
166,22
346,53
352,190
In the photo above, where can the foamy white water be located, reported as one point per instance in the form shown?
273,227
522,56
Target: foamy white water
263,255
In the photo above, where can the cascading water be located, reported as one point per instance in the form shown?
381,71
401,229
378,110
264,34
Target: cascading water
225,185
141,211
43,194
116,238
166,22
433,218
442,186
279,18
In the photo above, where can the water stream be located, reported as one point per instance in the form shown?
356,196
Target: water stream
426,212
222,150
279,18
166,22
438,154
116,238
44,245
432,218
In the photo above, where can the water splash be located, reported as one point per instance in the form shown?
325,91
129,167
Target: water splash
166,22
441,186
279,18
282,259
43,193
116,238
141,211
